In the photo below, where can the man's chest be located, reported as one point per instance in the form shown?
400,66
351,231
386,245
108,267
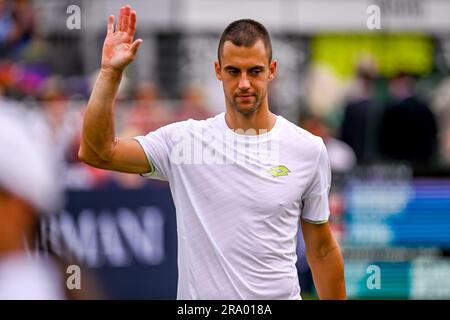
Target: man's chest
251,187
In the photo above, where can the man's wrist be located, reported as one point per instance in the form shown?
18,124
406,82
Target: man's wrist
111,73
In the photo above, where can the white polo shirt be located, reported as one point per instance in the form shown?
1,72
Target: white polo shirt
238,200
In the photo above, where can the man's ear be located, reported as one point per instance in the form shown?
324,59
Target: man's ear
272,69
217,70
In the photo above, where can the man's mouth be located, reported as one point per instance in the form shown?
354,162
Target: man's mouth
245,96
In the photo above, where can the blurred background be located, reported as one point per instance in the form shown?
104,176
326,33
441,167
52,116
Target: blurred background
380,99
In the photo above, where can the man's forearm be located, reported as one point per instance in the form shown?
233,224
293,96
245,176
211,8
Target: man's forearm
328,274
98,127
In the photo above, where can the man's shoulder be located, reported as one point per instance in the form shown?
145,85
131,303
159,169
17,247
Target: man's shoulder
299,136
183,127
192,123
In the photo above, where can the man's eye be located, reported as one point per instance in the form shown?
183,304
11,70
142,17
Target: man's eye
256,71
233,72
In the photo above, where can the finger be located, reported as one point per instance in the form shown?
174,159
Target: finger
132,26
135,45
126,19
110,24
120,19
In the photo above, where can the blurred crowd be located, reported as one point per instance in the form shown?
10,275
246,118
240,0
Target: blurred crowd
382,120
28,79
372,118
60,115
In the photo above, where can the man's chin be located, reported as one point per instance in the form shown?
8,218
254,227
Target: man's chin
245,109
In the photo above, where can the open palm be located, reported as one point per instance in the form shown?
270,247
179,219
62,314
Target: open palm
119,49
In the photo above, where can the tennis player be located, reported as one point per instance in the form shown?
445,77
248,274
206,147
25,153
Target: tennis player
242,181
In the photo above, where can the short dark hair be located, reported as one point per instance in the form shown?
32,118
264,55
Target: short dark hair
245,32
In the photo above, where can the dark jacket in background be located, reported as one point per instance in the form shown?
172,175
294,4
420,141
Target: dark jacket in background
408,132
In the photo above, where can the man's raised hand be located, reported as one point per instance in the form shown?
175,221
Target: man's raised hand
119,49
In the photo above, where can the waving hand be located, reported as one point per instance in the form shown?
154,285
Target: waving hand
119,49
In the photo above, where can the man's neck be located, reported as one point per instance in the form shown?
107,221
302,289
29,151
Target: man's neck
261,120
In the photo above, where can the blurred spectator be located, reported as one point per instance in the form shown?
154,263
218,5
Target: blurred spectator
359,125
7,27
62,122
22,80
323,90
29,184
342,158
441,108
408,128
23,13
147,113
193,105
17,20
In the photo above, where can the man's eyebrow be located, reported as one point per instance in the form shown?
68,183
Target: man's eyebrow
230,67
257,67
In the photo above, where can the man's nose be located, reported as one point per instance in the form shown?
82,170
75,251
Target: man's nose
244,83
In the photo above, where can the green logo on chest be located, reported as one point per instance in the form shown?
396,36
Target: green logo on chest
279,171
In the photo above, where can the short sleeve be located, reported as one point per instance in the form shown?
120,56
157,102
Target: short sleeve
315,206
156,147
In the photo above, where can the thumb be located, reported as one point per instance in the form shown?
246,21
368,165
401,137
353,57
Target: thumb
135,45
